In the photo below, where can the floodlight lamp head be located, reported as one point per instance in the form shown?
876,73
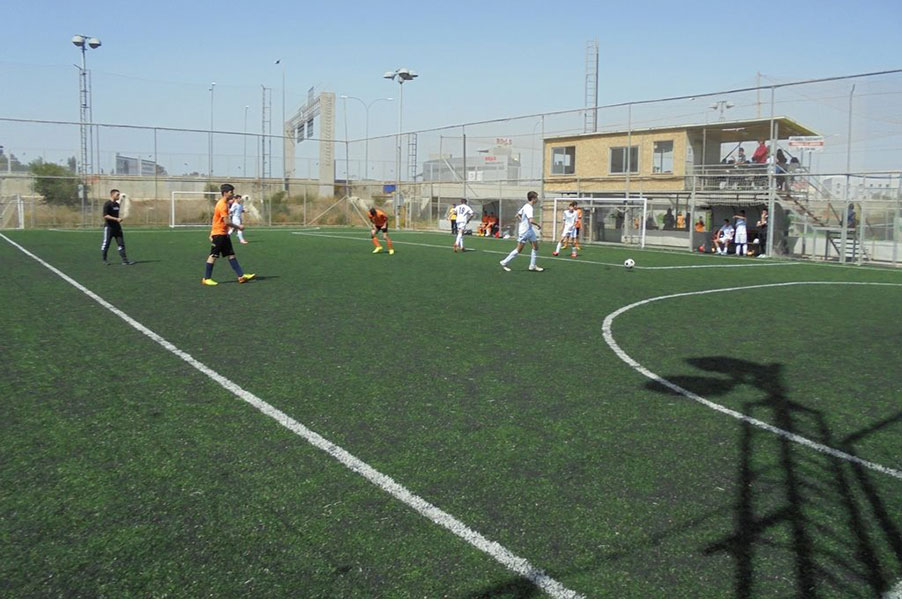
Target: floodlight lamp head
730,105
94,43
389,75
78,40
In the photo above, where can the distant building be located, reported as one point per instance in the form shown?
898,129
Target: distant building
495,164
861,188
137,167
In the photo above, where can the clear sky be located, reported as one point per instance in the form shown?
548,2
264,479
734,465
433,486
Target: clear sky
476,60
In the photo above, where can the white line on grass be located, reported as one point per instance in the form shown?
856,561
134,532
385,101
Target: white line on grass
570,260
609,339
498,552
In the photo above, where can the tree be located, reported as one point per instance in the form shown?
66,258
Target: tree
55,183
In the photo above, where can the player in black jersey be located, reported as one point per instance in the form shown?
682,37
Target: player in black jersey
112,228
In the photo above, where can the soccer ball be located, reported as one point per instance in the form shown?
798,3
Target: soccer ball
629,263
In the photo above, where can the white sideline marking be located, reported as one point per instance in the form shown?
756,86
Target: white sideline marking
609,339
501,554
565,259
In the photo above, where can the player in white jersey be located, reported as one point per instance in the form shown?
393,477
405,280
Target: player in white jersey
741,235
235,212
723,237
464,214
526,234
568,231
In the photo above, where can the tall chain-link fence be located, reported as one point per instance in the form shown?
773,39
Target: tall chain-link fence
830,174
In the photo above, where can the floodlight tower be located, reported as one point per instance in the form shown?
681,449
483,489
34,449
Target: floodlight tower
721,106
83,42
401,75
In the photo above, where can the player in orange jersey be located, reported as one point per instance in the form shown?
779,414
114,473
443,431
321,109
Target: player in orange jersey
221,243
380,223
579,223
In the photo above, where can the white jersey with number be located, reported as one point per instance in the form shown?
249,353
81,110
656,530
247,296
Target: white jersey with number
235,211
569,222
525,215
464,214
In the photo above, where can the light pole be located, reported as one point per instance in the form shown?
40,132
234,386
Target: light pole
284,132
83,42
403,74
722,106
210,150
366,152
244,137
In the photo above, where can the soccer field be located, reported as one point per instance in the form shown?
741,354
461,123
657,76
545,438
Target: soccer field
427,425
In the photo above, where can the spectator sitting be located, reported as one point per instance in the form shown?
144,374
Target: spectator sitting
723,237
740,156
761,153
700,225
680,221
668,220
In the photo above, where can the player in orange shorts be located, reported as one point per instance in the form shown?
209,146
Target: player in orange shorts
380,223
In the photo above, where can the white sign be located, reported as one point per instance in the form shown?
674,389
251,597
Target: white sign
812,143
504,141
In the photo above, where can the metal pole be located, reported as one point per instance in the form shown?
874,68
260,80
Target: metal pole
542,182
771,182
210,149
465,174
366,143
156,161
244,137
347,157
845,213
398,156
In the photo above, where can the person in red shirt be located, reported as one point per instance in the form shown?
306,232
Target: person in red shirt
761,152
221,243
380,223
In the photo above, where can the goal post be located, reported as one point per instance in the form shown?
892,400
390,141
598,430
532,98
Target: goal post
613,220
192,208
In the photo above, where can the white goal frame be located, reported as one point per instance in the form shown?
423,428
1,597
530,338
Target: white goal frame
189,196
637,202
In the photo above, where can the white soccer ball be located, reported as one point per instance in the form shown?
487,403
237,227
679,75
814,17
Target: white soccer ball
629,263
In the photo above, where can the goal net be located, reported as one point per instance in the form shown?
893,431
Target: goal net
610,220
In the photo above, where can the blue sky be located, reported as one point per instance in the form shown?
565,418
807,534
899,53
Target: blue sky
476,60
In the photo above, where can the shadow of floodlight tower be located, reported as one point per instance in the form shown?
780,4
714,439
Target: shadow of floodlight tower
401,75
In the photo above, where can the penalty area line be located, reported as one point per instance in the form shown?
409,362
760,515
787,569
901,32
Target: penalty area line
819,447
384,482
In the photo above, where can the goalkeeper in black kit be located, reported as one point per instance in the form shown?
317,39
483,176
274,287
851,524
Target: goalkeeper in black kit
112,228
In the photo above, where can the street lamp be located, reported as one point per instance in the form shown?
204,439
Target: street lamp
401,75
210,150
244,137
84,42
722,106
366,153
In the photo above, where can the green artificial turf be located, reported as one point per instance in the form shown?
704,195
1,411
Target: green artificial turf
127,473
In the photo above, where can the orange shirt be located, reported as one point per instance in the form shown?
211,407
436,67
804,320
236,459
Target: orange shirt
220,218
380,219
579,217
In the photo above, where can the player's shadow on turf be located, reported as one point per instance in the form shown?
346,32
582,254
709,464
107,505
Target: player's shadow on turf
785,494
516,587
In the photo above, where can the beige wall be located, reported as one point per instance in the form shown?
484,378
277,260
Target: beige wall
593,155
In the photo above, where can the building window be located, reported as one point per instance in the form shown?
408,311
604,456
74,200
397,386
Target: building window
619,156
663,157
563,160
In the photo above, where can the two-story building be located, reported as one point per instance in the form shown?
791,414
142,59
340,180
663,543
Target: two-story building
690,170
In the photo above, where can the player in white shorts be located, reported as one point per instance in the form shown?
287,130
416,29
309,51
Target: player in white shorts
568,231
723,237
741,235
235,212
464,214
526,234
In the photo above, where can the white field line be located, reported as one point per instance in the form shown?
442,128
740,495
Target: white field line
609,339
564,259
498,552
